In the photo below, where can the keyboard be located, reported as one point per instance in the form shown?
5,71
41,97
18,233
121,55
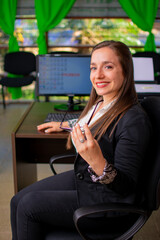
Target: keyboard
57,117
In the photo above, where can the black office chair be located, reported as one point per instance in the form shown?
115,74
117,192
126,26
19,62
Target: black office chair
123,228
156,62
18,63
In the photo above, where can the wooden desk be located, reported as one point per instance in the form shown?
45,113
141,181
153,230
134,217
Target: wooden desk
30,147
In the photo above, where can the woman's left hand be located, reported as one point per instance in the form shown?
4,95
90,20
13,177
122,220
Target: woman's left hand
88,148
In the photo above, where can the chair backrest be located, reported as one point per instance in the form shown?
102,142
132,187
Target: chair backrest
20,63
156,61
152,184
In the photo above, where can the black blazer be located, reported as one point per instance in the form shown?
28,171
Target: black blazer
126,149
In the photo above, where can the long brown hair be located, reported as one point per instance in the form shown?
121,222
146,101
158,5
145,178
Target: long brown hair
126,96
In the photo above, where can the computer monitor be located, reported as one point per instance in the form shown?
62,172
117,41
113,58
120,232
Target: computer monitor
63,75
143,70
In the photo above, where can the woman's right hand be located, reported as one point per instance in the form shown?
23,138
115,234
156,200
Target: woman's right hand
50,127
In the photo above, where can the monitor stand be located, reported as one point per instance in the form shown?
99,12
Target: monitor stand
69,106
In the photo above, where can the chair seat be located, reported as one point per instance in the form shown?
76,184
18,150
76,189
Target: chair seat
17,81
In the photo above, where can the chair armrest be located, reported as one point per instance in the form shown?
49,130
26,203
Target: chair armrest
82,212
57,157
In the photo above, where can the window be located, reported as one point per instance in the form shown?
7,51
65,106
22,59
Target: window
79,35
84,33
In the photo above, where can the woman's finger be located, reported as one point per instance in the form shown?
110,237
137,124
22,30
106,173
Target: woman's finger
74,136
88,133
44,125
49,130
49,127
80,135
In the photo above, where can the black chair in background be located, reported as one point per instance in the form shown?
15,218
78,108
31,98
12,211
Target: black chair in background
89,221
156,62
18,63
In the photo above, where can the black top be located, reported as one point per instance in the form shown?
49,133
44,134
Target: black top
126,150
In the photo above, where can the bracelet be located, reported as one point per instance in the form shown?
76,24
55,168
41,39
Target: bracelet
108,175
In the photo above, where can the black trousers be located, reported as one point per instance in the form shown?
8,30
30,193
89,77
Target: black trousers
51,201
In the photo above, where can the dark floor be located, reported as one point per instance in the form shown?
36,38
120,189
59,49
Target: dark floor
8,120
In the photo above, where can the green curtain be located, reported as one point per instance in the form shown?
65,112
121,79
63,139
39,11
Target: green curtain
8,10
142,13
49,13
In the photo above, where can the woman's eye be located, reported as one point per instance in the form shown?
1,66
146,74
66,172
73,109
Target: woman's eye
108,67
92,68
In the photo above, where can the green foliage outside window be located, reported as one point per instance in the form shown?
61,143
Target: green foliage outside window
91,31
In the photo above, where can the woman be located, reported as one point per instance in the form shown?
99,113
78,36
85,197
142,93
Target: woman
111,138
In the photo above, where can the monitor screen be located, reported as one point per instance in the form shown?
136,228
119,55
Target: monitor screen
143,70
63,75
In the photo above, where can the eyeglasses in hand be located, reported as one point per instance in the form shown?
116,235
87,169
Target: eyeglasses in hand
68,129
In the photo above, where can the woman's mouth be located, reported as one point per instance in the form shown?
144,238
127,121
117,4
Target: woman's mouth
102,84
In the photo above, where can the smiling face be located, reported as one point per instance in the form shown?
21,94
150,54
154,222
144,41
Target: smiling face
106,73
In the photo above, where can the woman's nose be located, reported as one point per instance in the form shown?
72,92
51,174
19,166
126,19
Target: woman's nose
99,73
